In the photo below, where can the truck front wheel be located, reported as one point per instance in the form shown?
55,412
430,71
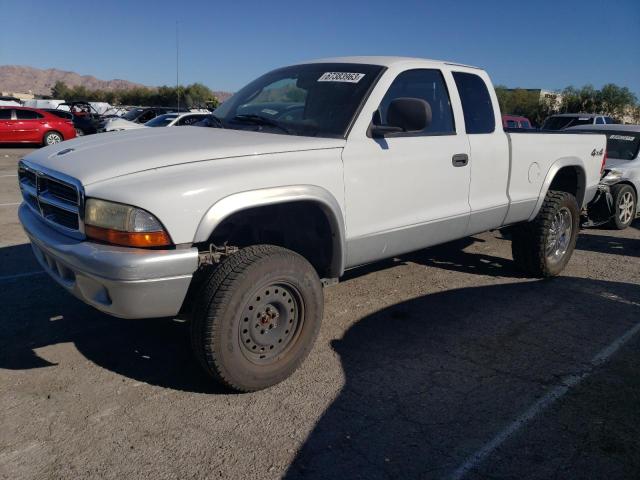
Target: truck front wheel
256,317
543,247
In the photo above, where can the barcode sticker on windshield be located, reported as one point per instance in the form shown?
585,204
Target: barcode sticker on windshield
622,137
341,77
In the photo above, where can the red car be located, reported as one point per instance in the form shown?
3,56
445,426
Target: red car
515,121
29,125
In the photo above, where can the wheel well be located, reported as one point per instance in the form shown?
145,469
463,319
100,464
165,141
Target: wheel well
301,226
52,131
570,180
633,187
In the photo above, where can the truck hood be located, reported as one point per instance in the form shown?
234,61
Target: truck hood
99,157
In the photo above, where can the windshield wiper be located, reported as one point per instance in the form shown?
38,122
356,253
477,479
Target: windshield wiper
260,120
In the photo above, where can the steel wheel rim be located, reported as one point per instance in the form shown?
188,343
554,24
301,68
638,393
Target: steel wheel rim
53,138
625,207
270,322
559,235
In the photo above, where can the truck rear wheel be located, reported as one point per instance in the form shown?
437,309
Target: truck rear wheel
256,317
543,247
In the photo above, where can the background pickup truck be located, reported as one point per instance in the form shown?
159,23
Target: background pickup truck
309,170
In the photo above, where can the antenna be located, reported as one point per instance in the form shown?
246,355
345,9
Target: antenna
177,66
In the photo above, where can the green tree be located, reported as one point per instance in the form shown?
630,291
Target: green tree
615,100
60,90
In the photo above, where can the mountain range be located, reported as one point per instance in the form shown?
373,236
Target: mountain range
23,79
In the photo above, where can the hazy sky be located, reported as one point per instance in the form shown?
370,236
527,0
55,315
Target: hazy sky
532,44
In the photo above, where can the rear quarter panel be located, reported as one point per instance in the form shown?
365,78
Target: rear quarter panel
537,157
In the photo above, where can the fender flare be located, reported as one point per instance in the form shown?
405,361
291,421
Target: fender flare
238,202
556,166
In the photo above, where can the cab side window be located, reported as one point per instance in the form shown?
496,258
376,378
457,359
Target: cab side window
27,115
427,85
5,114
599,121
476,103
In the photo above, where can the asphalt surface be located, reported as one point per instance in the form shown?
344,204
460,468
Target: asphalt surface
446,363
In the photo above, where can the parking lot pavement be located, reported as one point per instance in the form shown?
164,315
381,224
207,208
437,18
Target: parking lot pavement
445,363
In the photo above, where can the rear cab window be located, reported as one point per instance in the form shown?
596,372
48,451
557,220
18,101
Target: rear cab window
477,106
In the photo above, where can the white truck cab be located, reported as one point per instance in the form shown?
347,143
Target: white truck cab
306,172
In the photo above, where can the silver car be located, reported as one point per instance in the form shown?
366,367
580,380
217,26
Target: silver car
621,176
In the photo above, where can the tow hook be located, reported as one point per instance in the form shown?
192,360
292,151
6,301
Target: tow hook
215,254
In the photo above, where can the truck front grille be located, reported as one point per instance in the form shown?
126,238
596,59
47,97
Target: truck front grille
55,199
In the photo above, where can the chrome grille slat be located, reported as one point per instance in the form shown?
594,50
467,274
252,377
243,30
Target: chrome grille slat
52,200
56,198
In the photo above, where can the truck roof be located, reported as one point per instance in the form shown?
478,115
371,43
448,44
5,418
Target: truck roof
387,61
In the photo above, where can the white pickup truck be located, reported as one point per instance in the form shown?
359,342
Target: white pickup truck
308,171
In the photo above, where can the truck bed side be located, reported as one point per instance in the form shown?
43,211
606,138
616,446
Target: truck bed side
536,160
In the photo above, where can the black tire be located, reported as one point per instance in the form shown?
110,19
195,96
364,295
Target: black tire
51,138
530,240
623,193
246,352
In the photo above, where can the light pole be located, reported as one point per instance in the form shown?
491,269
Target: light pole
177,66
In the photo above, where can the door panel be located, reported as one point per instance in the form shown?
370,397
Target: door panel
6,125
403,194
410,190
27,130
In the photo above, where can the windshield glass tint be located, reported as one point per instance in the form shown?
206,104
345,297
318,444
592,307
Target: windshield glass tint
132,114
559,123
317,99
161,121
623,145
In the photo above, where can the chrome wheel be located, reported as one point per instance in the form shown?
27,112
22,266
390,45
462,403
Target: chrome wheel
53,138
626,207
270,322
559,235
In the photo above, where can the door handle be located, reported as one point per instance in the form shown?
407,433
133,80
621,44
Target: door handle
460,159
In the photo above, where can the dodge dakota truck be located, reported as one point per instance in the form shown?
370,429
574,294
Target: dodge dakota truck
308,171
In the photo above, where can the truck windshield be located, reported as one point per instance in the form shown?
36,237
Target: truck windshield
622,145
560,123
316,99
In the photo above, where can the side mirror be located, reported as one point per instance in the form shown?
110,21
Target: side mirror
404,115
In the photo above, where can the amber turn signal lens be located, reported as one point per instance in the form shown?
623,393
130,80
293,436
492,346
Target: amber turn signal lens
128,239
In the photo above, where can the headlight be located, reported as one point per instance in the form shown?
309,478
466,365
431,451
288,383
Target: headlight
121,224
613,176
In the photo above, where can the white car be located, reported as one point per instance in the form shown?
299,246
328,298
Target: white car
338,163
622,175
166,120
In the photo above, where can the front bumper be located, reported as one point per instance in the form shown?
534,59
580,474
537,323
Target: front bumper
121,281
